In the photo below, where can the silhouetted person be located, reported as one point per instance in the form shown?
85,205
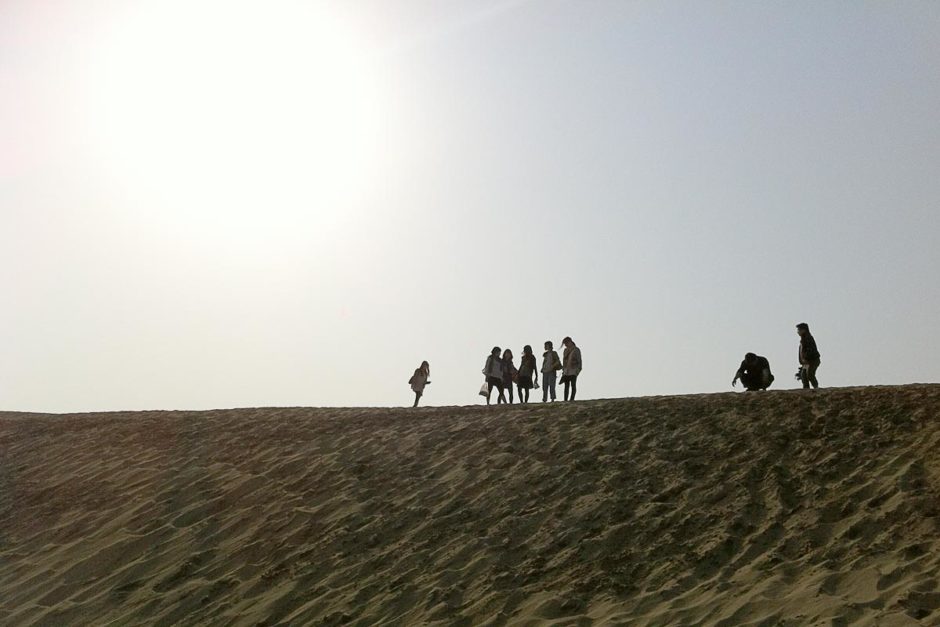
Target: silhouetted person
493,371
754,373
527,368
550,367
572,367
510,374
809,357
420,379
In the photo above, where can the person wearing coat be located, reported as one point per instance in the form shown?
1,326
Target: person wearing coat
809,356
571,367
527,368
420,379
493,371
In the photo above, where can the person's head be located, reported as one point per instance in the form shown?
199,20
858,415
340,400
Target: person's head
802,328
495,351
750,358
426,367
548,345
567,342
526,350
507,354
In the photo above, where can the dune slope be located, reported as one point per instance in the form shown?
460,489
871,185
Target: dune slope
781,508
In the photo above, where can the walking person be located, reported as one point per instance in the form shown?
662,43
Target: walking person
527,368
510,374
572,367
809,357
493,371
754,373
420,379
551,364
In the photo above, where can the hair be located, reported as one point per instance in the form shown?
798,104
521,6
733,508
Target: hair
495,351
567,339
802,326
750,357
549,345
507,354
526,350
426,367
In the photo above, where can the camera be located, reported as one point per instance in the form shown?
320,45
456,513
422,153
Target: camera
799,375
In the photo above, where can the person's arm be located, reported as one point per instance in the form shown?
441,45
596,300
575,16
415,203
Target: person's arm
737,375
578,363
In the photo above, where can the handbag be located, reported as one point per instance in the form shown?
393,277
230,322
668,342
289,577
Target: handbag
485,389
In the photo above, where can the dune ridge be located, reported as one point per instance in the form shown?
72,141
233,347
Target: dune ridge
779,508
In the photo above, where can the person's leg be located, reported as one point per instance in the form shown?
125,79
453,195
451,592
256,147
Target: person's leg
489,390
509,389
567,385
766,379
417,397
804,376
574,386
544,387
502,393
750,382
551,384
811,374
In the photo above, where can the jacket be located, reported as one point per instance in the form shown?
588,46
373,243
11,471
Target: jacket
418,380
572,361
808,351
756,369
550,361
493,367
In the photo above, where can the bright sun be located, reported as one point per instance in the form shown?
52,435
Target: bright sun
213,111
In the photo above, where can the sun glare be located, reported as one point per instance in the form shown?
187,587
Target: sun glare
213,113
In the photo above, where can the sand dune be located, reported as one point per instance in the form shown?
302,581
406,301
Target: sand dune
782,508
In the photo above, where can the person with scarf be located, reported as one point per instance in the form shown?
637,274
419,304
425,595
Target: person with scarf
571,367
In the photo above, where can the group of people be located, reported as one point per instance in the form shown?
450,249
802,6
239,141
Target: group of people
501,373
755,374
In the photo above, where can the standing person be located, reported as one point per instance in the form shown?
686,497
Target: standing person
572,367
809,356
550,367
754,373
510,374
527,368
420,379
493,371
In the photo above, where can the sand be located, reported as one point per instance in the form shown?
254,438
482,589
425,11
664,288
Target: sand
778,508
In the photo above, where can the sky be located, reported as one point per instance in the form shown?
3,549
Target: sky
212,204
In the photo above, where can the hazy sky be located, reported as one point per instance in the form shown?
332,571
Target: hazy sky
208,203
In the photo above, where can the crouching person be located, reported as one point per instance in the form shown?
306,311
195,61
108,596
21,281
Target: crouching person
754,373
